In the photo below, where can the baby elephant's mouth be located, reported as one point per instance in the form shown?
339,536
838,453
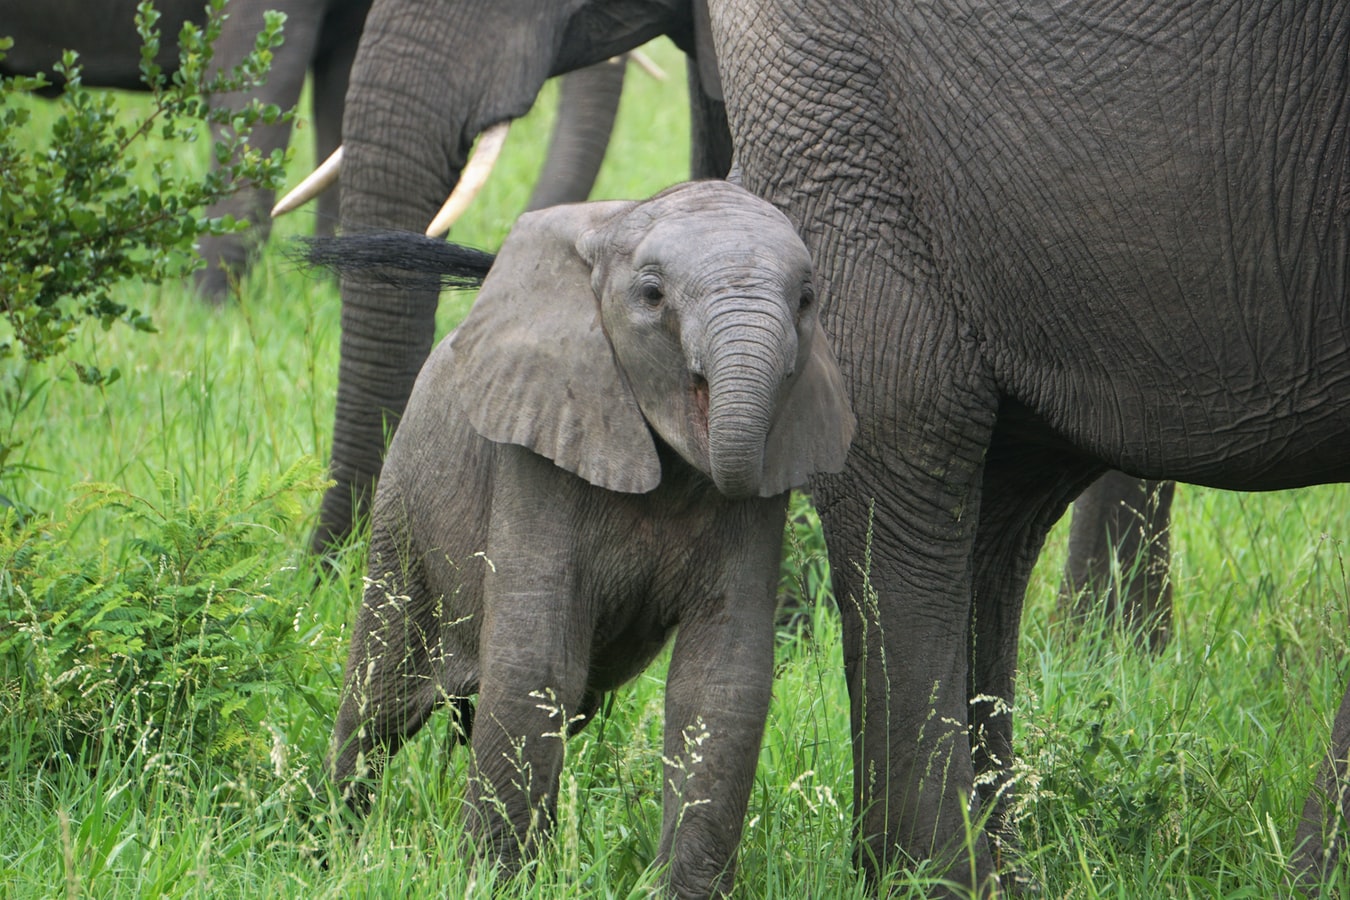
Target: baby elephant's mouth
698,389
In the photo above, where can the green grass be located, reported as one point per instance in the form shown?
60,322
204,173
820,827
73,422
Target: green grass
1185,774
1176,776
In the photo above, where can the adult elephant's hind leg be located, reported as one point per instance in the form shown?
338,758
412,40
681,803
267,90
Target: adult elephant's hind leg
1120,556
1324,828
228,256
1025,490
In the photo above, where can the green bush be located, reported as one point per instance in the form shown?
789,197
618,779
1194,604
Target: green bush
76,218
174,640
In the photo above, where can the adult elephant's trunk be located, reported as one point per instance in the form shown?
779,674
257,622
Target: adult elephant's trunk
587,105
750,355
416,102
424,85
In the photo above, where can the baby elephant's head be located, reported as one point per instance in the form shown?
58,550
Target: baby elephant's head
692,313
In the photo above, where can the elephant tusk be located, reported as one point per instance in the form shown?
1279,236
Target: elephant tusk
471,181
318,181
648,65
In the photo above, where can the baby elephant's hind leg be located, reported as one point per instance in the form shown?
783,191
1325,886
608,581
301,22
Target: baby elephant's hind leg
395,675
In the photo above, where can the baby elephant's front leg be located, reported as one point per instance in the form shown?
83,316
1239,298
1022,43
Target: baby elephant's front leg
717,697
533,683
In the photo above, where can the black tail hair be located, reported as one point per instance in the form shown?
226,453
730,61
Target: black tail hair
401,259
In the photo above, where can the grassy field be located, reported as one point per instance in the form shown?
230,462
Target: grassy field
1175,776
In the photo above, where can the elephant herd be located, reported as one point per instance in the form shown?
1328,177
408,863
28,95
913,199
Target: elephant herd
1049,243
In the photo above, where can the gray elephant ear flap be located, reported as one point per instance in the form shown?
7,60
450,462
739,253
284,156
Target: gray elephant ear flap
814,427
533,366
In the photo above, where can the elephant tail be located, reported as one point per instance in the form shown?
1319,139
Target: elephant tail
400,259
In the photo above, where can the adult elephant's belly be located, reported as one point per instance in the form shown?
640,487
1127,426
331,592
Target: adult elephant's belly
1175,333
1178,305
1168,369
1150,240
1257,419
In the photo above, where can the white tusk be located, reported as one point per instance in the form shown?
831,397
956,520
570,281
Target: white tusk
314,184
648,65
472,179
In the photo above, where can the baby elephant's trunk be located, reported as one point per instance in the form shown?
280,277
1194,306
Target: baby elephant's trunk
751,352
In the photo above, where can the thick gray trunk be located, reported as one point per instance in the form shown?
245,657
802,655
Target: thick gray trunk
422,88
586,108
748,360
406,138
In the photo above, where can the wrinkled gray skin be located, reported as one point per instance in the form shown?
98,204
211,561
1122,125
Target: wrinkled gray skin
1050,240
320,37
600,454
374,375
430,75
1326,811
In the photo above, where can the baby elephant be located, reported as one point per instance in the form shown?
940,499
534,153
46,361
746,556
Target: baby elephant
598,456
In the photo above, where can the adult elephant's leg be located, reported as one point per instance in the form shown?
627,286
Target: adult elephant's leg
1120,554
587,104
905,632
1324,828
1025,490
900,525
227,256
332,66
710,147
900,520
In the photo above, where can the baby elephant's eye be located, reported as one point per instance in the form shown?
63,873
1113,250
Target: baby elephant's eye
651,294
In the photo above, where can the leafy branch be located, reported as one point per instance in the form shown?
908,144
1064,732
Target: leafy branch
74,220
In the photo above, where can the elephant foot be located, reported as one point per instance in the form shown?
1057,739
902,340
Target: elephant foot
217,284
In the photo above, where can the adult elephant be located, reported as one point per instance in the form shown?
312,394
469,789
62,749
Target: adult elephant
1118,525
429,77
1105,527
1018,216
1051,240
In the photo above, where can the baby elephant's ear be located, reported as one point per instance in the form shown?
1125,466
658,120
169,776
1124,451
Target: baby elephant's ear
814,425
533,365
